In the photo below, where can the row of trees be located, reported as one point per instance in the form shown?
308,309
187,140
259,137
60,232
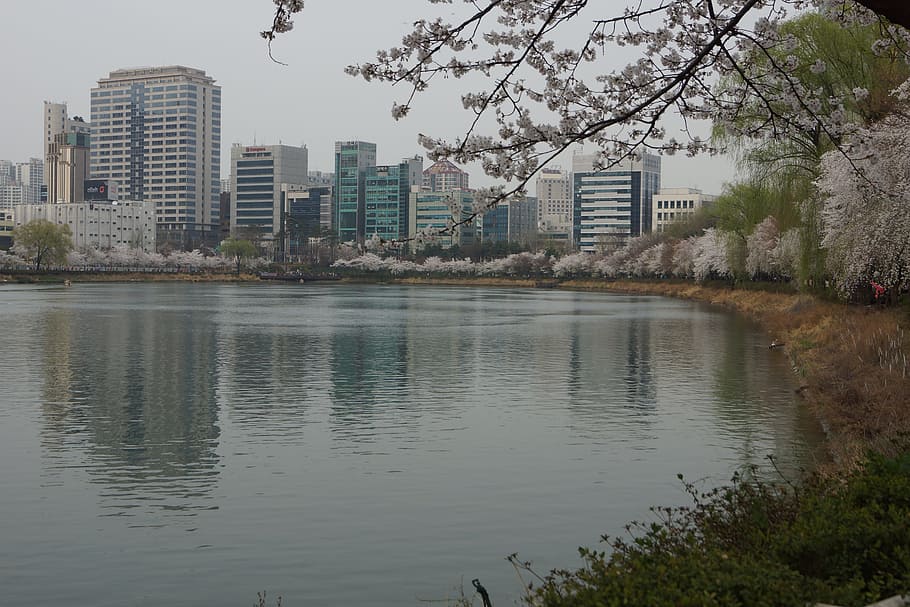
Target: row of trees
41,243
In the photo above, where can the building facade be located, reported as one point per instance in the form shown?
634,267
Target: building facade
387,190
352,158
614,204
30,175
671,205
510,221
57,122
258,174
157,132
554,201
67,167
433,212
100,224
444,176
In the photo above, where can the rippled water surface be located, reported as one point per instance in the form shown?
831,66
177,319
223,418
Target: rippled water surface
188,444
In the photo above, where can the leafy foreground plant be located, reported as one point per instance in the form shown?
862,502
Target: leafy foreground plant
842,541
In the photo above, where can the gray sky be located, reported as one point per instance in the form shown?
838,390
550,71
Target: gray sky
57,50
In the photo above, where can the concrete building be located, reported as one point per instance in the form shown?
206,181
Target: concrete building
12,194
671,205
387,191
554,201
67,167
258,174
614,204
444,176
7,172
352,158
57,122
157,132
433,211
98,224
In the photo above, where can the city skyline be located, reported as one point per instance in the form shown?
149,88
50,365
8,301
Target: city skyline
308,102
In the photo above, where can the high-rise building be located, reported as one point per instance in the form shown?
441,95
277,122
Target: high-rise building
386,197
57,122
613,204
31,175
157,132
443,176
554,200
304,216
257,176
7,172
67,167
671,205
12,194
351,161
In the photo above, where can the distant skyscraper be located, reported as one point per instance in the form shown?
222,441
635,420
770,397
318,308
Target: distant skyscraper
386,195
7,172
611,205
157,131
443,176
351,161
56,123
257,176
31,175
554,200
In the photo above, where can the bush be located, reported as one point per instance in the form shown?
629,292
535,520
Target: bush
842,541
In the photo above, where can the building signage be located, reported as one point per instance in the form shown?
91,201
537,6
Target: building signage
97,189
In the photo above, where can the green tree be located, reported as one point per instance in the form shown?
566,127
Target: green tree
43,241
238,249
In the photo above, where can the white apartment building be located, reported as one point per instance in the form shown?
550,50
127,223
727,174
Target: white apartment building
157,132
670,205
12,194
99,225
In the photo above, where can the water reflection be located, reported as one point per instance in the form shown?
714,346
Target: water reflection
134,389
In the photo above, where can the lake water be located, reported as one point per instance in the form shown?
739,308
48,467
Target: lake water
190,444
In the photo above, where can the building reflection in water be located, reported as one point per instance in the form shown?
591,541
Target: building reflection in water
130,394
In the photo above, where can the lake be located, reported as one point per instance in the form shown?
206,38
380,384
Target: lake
191,444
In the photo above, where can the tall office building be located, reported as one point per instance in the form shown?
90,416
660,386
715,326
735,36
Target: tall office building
57,122
554,200
352,158
611,205
443,176
67,166
257,176
157,132
386,197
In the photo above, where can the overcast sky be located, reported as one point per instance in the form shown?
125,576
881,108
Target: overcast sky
56,50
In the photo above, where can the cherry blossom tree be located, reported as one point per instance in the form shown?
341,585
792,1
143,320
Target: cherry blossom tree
761,250
550,88
866,213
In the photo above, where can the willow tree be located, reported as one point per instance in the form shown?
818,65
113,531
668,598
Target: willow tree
42,241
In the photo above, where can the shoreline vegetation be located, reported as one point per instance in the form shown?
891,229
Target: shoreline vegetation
838,536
